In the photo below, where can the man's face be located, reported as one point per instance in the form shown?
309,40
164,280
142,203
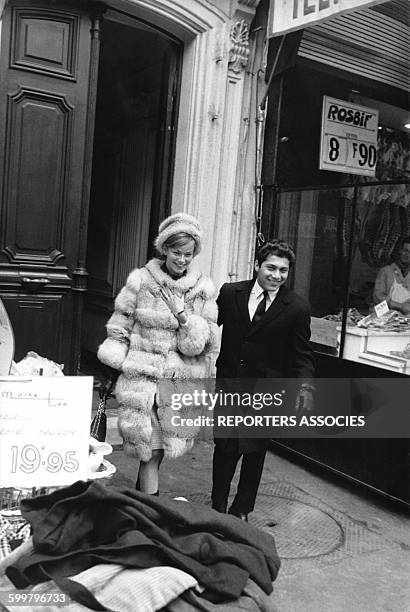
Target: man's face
404,254
273,272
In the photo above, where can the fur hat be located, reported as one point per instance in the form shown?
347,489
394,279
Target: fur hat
180,222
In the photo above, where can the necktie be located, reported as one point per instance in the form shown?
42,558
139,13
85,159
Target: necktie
260,310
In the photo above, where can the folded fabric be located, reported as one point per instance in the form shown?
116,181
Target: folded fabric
90,523
118,589
253,599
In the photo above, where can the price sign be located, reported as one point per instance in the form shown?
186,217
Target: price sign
349,137
381,308
44,430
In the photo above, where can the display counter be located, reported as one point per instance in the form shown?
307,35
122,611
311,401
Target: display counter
373,347
379,465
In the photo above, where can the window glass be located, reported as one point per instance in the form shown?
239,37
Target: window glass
368,224
380,277
317,223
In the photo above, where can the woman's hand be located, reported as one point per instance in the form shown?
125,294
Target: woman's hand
403,307
175,304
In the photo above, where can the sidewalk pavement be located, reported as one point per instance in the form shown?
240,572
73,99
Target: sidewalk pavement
341,550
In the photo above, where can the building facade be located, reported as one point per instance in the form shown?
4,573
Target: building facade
346,223
347,226
113,115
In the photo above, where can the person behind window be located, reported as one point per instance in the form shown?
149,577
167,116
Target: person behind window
393,281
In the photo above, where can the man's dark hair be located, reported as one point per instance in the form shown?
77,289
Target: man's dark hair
277,247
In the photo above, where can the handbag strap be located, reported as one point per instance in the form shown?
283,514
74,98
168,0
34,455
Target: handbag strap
102,405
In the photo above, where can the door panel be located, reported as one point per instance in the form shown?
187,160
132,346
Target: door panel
35,313
44,110
46,42
39,129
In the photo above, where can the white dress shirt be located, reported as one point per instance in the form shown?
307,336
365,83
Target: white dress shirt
256,296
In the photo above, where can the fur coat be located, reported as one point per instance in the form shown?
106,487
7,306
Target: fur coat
147,345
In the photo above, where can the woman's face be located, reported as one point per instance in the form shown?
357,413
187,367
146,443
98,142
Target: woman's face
178,258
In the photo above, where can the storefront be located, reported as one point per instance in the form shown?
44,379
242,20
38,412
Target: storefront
113,115
346,225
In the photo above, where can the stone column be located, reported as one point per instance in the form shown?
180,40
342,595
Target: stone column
224,198
242,247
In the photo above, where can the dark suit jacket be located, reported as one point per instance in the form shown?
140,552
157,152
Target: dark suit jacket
277,346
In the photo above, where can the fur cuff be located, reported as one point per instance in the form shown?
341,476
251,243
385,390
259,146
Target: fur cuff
193,336
112,353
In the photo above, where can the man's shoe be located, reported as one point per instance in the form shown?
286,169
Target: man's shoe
240,515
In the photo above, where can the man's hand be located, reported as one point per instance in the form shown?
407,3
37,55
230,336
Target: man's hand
305,400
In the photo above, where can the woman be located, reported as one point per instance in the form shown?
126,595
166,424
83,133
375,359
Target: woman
163,327
393,281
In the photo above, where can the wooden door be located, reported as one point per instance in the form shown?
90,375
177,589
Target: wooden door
48,60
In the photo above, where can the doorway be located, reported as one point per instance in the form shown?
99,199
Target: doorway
76,202
132,162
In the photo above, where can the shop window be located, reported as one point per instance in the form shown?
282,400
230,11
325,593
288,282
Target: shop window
343,237
345,228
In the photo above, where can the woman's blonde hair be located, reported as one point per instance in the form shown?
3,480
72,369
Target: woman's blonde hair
177,240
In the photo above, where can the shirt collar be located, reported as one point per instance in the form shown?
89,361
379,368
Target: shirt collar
257,291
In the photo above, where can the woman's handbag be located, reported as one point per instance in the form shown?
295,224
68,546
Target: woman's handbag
98,429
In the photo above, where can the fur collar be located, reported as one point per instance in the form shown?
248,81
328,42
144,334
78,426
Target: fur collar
183,284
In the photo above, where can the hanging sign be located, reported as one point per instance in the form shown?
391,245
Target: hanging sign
288,15
349,137
44,430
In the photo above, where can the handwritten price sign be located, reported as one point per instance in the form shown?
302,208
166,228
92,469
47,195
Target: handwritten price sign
349,137
44,430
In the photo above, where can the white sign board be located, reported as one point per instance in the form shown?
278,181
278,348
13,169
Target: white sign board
288,15
349,137
381,308
44,430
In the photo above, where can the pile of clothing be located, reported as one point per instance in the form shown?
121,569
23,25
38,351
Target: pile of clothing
13,531
116,549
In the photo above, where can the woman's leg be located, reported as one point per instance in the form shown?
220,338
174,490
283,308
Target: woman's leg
148,472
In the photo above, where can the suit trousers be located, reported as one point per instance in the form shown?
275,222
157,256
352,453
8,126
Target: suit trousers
225,460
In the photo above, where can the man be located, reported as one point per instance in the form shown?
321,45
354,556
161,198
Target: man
393,281
266,331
